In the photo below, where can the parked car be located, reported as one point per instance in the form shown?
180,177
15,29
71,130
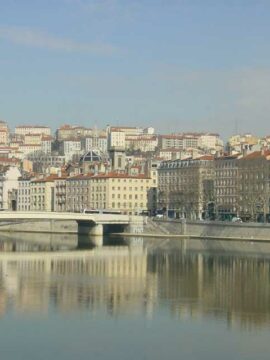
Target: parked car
237,219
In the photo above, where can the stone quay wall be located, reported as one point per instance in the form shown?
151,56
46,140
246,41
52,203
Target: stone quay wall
40,226
211,229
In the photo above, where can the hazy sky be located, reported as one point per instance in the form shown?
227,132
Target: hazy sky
177,65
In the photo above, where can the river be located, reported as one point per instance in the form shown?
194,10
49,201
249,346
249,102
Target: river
133,299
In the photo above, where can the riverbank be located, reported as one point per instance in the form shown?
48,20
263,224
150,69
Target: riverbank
218,230
156,228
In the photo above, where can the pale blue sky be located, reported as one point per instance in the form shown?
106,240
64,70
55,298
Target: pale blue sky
177,65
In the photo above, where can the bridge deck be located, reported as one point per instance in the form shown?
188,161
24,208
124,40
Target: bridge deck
45,215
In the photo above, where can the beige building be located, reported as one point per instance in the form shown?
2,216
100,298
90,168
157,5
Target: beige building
127,130
116,139
46,144
32,129
4,137
185,187
243,143
32,139
122,192
210,141
27,149
143,142
115,191
42,194
4,133
71,131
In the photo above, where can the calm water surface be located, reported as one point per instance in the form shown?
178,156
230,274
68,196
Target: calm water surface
134,299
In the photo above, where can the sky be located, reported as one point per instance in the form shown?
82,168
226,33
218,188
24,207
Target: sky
176,65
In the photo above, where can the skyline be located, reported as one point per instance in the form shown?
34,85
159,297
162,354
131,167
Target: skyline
176,66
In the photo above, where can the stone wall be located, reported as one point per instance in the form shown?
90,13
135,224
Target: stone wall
45,226
208,229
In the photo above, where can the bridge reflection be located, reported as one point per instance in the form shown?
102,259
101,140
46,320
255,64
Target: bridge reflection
139,278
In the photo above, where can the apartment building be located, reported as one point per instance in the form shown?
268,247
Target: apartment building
171,141
120,191
226,186
116,139
70,147
4,136
210,141
24,194
254,186
205,141
32,129
127,130
95,142
70,131
60,193
78,189
32,139
27,149
142,142
185,187
42,194
108,191
8,182
46,144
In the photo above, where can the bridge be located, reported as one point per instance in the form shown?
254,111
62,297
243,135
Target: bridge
91,224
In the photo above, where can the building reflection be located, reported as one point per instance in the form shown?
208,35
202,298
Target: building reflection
233,287
138,279
110,278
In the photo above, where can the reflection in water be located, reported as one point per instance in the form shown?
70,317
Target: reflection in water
189,279
32,242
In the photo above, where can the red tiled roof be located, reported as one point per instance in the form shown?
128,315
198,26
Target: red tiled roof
9,160
50,178
121,176
46,137
205,157
107,176
256,155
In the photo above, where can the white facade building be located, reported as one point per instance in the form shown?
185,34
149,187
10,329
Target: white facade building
70,147
24,195
95,142
8,182
210,141
116,140
46,144
27,149
60,194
